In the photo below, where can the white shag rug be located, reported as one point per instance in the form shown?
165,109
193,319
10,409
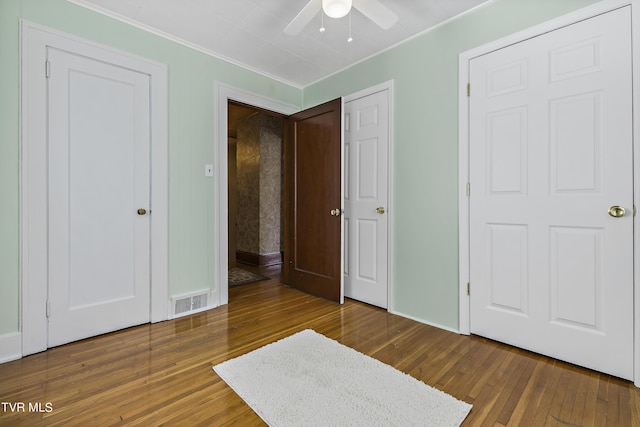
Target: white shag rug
308,379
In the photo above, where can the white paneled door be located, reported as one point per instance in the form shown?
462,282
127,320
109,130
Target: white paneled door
551,206
99,271
366,198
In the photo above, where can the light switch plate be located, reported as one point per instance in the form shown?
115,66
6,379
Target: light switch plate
208,170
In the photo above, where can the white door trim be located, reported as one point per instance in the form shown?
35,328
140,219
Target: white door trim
386,86
33,174
222,95
463,141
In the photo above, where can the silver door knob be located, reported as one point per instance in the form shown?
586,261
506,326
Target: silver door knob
617,211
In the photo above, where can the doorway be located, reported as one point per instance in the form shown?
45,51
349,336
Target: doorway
255,185
223,95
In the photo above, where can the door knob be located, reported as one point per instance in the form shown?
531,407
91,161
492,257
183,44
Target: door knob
142,211
335,212
617,211
380,210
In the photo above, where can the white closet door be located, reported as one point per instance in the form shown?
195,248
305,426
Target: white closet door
551,153
366,198
99,244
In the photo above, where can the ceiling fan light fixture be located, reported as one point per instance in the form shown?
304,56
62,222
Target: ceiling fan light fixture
336,8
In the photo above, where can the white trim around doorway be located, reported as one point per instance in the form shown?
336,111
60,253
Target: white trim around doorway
222,95
463,147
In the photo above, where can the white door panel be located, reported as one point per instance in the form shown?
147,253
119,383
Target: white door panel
99,116
550,152
366,190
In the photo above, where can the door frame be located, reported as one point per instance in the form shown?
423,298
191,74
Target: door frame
464,159
35,39
388,87
222,95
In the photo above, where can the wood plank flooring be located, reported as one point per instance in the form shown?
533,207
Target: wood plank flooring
161,374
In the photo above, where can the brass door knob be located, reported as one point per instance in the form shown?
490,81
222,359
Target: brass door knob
335,212
380,210
142,211
617,211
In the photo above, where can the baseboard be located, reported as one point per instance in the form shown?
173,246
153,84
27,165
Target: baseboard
10,347
435,325
259,260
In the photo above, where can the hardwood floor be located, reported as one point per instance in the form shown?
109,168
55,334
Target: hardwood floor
160,374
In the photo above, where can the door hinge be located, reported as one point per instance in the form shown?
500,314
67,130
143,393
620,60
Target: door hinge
468,288
47,69
468,189
468,89
48,308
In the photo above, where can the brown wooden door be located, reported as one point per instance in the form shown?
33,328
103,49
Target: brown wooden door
313,182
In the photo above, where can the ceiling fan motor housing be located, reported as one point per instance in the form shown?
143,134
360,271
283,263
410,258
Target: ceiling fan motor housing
336,8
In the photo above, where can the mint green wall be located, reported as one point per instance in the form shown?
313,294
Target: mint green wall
9,232
191,136
425,157
425,71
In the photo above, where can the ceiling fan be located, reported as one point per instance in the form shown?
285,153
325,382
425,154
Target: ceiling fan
372,9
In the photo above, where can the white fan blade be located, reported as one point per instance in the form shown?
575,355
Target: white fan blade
377,12
304,17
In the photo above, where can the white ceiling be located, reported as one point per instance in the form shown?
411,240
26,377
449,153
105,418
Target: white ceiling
250,32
